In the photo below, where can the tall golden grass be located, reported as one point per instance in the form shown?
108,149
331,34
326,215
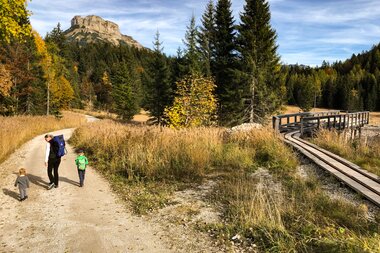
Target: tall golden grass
17,130
150,152
364,154
154,152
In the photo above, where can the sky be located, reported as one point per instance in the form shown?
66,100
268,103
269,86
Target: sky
309,31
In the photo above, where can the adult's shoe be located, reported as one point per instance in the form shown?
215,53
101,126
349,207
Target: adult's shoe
50,186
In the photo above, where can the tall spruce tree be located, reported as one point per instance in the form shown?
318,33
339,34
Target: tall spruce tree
228,89
126,91
160,92
206,39
259,59
192,56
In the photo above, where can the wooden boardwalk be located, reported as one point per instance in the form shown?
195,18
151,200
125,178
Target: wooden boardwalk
295,126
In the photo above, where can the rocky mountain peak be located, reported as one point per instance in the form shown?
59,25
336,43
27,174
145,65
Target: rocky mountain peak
93,28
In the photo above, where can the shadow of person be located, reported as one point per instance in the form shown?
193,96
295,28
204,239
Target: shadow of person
10,193
36,180
69,181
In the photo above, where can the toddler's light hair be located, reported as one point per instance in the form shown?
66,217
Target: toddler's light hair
22,171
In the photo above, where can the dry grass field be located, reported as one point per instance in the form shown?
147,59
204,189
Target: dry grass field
261,196
374,118
17,130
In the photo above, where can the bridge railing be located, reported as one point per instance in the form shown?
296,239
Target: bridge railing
286,122
337,121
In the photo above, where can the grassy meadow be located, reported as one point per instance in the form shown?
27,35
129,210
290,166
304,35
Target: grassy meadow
17,130
259,191
364,154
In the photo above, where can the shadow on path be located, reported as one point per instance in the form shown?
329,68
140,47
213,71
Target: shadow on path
69,181
36,180
11,193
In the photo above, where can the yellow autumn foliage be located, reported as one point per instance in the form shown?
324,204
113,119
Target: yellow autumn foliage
194,105
14,23
5,81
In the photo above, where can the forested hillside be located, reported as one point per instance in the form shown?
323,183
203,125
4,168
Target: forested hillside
229,71
351,85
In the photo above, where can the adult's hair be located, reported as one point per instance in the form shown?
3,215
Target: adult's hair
22,171
49,135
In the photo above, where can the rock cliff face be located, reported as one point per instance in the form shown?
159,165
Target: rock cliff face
93,29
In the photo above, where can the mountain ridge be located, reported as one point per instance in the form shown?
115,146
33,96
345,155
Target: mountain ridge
92,29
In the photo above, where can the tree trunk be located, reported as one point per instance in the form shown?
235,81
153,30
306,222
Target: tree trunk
252,113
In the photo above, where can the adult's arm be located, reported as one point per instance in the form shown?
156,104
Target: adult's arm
47,152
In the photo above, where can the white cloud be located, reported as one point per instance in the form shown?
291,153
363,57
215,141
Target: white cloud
308,31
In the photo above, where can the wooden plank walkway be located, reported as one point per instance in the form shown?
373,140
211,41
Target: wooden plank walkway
365,183
293,126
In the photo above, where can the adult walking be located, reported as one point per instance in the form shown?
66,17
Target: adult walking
52,160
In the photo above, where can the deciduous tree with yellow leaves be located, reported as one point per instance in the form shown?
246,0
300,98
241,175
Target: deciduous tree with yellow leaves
14,20
194,105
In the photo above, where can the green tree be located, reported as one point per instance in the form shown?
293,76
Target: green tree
194,104
206,38
160,93
369,85
260,62
14,20
228,90
192,56
57,37
126,91
305,92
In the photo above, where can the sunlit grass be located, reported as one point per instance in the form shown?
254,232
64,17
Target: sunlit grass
364,154
17,130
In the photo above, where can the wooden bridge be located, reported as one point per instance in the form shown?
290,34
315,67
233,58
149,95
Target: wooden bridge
295,126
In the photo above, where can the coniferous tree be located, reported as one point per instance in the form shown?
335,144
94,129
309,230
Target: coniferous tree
192,55
228,90
260,62
159,88
57,37
126,91
206,38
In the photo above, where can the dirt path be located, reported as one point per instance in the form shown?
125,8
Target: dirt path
69,218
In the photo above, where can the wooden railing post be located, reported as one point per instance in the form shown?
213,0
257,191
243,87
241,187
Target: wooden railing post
276,121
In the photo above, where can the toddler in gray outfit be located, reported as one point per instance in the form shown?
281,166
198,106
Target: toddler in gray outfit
22,182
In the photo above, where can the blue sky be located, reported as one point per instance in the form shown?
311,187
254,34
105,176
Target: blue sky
309,31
